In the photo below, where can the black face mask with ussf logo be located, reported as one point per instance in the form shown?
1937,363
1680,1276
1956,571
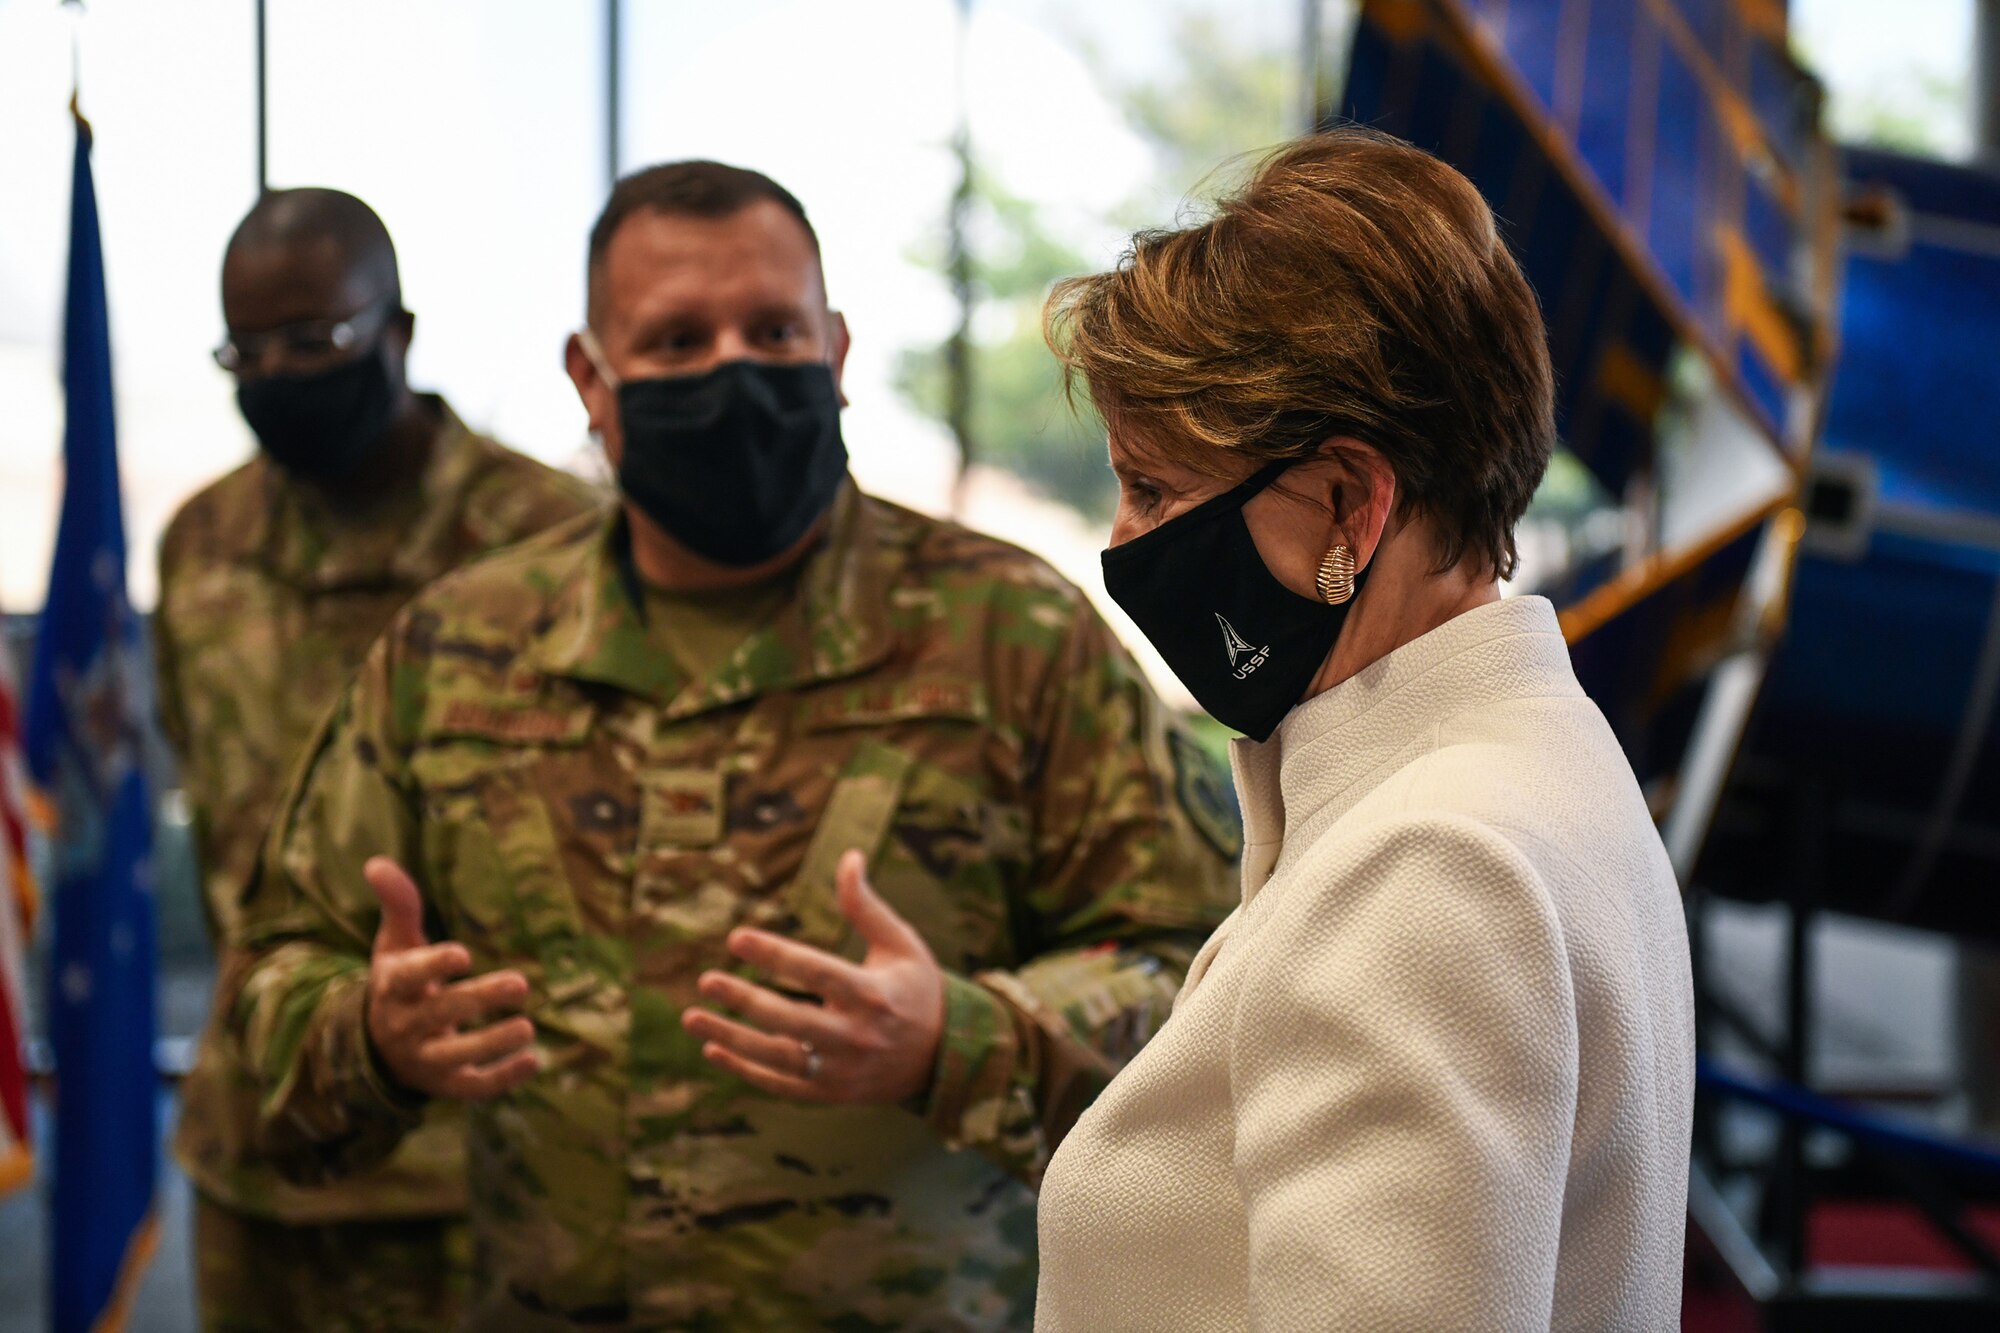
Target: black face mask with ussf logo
1244,644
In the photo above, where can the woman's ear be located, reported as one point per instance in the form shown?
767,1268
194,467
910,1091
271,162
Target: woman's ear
1364,494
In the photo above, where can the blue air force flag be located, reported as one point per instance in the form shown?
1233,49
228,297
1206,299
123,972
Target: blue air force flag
84,736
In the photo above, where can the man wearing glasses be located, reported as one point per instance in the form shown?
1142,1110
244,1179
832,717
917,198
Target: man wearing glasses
273,582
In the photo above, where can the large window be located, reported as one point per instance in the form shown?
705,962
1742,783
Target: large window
1081,124
476,129
473,126
1897,76
849,106
175,163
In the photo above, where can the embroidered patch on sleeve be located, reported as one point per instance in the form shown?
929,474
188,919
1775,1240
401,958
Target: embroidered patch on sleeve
1207,794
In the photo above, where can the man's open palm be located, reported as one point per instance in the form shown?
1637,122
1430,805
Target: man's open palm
873,1035
433,1033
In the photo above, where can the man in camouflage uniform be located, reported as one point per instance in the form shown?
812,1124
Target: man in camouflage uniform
893,795
273,582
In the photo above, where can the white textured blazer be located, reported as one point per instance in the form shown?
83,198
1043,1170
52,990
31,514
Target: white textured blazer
1436,1072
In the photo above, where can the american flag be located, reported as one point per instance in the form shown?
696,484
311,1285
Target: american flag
82,735
17,911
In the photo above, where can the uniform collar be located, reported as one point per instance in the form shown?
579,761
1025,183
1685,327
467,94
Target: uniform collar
403,540
836,626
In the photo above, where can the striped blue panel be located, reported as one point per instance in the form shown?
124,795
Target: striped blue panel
1419,93
1533,39
1674,190
1605,124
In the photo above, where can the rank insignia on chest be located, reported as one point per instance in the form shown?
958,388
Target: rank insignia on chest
683,808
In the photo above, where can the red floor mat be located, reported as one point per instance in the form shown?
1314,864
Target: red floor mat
1872,1235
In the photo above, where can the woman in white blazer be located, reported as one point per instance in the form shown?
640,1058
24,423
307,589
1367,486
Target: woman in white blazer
1436,1071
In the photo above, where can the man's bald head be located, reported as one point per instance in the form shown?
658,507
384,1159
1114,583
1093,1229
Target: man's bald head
319,341
301,264
331,227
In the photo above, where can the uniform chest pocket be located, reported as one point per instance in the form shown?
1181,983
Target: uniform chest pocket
495,865
940,851
952,862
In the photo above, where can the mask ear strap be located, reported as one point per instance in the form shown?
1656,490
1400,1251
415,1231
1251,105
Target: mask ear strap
1260,481
1230,501
593,351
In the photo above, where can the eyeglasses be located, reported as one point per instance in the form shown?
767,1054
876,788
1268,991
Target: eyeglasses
308,340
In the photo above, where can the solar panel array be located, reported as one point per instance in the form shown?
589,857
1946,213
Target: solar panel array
1656,164
1658,167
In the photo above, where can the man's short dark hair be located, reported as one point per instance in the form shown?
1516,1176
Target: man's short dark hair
699,189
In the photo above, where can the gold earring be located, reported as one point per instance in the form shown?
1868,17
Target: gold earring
1336,576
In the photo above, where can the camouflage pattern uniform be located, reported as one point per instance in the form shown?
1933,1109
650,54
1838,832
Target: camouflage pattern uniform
576,807
268,602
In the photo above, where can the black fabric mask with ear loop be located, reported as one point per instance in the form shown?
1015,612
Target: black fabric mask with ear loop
736,463
325,427
1246,646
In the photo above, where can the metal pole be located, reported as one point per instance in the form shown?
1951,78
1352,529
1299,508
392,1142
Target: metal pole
614,101
1792,1179
958,259
1986,80
1310,39
263,117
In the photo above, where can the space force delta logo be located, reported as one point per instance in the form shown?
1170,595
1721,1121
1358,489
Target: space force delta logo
1242,655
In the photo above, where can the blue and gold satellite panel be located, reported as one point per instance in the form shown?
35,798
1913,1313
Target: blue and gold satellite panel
1659,168
1875,738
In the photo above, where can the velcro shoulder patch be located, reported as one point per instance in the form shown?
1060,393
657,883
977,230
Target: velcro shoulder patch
1207,795
873,704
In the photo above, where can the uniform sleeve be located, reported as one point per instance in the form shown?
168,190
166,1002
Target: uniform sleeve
1134,841
528,498
166,662
1404,1089
170,705
298,986
565,498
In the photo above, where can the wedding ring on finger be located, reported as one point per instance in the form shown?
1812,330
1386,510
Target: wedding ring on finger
812,1059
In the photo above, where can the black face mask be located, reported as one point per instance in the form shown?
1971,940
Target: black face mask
738,463
323,428
1244,644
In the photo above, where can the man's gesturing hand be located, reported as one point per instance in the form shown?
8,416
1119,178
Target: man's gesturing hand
433,1036
875,1036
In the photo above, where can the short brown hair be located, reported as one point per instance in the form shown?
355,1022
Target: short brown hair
695,188
1355,285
